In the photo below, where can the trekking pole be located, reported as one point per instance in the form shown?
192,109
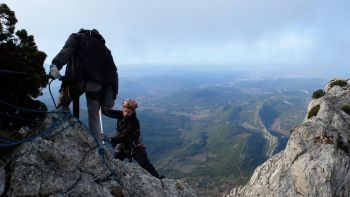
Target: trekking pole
102,132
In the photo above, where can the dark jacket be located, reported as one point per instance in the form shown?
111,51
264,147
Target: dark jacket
88,58
128,129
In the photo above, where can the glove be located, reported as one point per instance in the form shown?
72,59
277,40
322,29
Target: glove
54,72
106,138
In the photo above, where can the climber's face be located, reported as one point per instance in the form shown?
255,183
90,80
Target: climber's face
127,112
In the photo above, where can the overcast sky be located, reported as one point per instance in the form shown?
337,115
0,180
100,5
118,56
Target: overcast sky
198,32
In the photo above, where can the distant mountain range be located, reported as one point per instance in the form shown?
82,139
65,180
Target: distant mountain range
214,130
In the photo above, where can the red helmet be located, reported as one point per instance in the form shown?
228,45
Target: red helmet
130,103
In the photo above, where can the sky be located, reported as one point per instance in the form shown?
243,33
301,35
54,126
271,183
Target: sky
272,34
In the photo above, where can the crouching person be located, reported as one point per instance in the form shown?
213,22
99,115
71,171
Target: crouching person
127,140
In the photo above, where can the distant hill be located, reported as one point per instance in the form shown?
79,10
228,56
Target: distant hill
213,136
316,160
214,131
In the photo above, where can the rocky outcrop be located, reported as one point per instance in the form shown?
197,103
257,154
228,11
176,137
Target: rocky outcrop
2,177
316,161
65,161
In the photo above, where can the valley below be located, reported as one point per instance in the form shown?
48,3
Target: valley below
214,130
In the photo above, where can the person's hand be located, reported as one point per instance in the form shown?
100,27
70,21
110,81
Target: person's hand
140,147
54,72
106,138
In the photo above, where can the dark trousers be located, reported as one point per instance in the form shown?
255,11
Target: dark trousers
140,156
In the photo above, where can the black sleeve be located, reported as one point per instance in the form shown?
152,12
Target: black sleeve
127,134
115,87
117,114
66,52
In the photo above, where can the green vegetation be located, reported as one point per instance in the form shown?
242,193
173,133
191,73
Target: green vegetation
211,135
338,82
237,153
22,75
346,109
318,94
313,111
216,150
268,115
158,132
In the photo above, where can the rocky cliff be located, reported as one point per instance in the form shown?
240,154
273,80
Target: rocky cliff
65,161
316,161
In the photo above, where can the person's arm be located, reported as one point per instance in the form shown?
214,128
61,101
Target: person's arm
66,52
112,113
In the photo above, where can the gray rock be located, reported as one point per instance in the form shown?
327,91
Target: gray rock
316,161
67,162
2,177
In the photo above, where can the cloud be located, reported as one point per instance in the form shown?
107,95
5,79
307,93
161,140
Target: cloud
197,31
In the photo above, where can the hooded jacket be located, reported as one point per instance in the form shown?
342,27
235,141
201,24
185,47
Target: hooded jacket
88,58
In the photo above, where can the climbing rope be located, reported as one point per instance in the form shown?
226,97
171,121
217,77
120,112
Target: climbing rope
53,100
24,109
101,150
14,117
84,184
13,72
121,98
102,153
51,128
48,131
6,140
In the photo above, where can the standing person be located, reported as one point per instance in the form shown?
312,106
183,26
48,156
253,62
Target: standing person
127,140
91,70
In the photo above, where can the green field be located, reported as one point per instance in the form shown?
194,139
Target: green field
211,135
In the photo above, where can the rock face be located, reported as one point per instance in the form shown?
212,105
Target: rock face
65,161
316,161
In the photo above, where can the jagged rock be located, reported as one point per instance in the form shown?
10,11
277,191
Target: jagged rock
66,161
2,177
316,161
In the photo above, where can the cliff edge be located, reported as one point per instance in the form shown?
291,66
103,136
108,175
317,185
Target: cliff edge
63,160
316,161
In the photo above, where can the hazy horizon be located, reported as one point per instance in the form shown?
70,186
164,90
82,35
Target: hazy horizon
138,77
